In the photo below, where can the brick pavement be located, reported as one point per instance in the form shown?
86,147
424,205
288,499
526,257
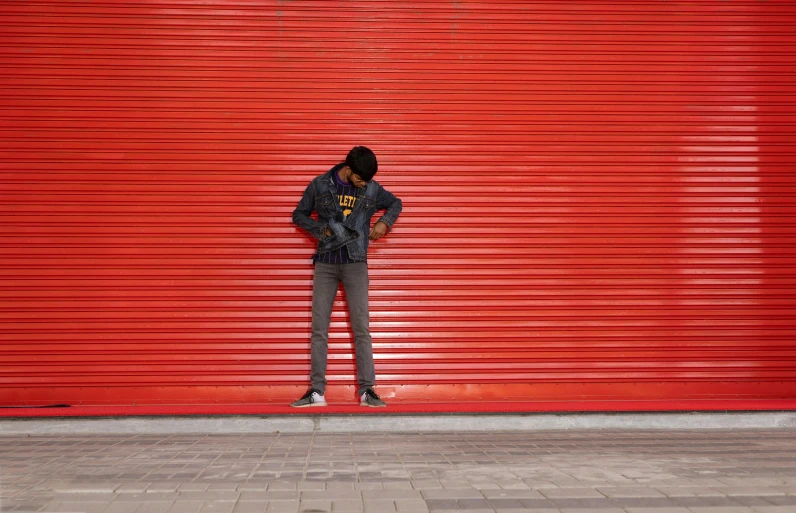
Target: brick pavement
596,471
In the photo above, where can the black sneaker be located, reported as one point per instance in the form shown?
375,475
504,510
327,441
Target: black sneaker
311,398
369,398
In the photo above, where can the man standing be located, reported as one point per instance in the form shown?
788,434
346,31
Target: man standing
345,198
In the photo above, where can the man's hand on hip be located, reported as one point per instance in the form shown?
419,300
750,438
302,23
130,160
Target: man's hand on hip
378,231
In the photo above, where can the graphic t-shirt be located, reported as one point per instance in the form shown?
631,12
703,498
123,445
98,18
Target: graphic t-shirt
347,197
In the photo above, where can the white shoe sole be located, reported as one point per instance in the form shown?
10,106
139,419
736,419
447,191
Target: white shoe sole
311,405
372,405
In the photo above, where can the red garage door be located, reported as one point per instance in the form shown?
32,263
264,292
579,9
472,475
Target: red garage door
598,198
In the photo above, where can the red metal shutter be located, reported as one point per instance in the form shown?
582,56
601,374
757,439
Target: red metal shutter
598,198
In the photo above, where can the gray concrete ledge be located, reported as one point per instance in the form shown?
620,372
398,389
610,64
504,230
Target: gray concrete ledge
235,424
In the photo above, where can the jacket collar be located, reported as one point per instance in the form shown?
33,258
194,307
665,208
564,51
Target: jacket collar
332,183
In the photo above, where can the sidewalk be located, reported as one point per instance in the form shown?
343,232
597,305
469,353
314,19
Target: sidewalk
597,471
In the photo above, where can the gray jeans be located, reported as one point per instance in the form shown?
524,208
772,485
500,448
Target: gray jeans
355,280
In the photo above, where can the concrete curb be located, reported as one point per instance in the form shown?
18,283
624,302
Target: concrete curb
236,424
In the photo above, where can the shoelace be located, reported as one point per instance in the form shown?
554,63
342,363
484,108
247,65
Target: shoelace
372,394
309,396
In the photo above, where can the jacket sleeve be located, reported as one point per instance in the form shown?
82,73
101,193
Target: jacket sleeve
386,199
301,215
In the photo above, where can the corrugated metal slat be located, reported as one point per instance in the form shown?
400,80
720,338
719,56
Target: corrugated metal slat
599,198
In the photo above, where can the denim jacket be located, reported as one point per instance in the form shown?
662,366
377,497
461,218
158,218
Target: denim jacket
351,231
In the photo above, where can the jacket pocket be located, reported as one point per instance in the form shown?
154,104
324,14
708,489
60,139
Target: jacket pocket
324,205
368,204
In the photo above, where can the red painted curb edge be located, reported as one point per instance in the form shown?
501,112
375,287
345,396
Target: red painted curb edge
405,408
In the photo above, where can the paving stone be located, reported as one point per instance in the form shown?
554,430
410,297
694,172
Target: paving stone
512,494
261,496
471,504
8,493
505,504
193,487
443,505
393,494
250,507
283,506
731,509
185,507
588,503
571,493
217,507
689,491
84,497
347,505
754,501
411,505
709,481
426,484
592,510
132,487
217,496
253,487
78,506
630,492
454,484
744,481
84,488
331,495
480,510
657,510
369,486
567,482
524,510
283,485
164,487
535,484
514,485
760,491
397,485
123,507
486,486
313,505
782,500
153,507
149,497
26,506
222,487
378,506
312,485
279,495
463,493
